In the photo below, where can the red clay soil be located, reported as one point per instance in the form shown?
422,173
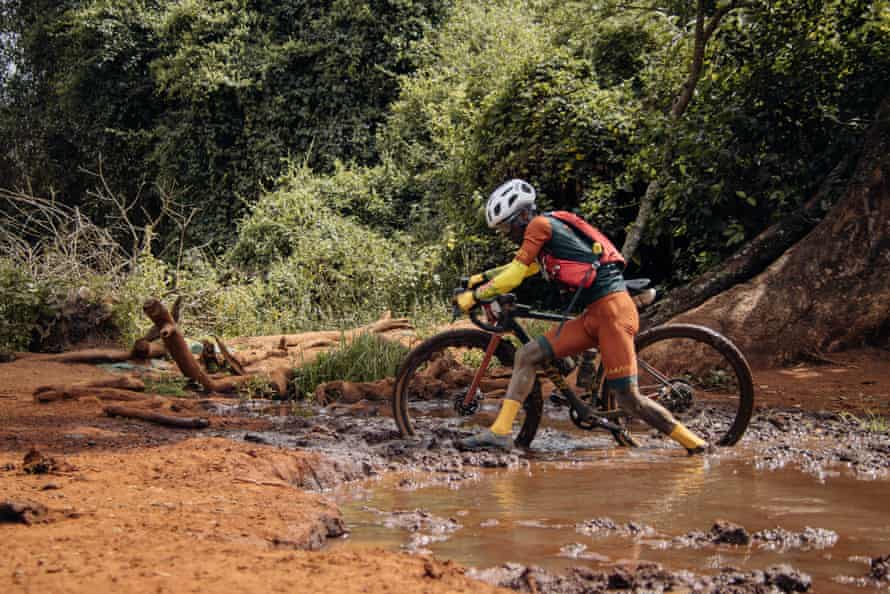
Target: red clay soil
133,507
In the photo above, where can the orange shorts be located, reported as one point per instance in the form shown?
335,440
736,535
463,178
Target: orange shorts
609,323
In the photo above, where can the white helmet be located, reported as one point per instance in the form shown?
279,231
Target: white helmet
509,199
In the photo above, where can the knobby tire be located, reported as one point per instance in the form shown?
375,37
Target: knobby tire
428,350
727,350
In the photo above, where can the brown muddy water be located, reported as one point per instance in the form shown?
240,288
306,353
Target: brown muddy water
652,501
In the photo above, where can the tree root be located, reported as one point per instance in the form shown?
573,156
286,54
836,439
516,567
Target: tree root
142,350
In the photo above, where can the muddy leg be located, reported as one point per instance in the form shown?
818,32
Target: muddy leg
528,358
632,402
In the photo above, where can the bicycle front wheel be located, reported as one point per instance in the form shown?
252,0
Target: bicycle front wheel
429,396
699,375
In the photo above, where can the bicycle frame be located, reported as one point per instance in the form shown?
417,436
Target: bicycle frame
507,322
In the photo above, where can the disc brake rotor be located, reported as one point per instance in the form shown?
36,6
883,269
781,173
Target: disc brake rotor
677,396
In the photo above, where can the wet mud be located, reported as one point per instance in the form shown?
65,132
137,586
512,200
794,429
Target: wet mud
817,443
821,445
645,577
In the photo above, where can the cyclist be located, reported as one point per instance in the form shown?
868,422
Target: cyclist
567,250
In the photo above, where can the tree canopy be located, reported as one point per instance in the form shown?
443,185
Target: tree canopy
401,115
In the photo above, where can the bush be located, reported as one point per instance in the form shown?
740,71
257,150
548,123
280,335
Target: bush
23,302
310,259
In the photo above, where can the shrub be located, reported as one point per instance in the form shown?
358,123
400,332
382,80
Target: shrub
23,302
316,261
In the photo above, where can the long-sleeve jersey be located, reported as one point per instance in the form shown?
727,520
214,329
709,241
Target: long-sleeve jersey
548,234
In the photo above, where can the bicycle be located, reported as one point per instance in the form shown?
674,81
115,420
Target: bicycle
445,381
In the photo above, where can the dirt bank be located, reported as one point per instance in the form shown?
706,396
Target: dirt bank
132,507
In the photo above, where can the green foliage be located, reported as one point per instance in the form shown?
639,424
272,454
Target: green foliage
870,421
405,115
256,387
366,358
208,95
319,261
552,125
788,93
147,277
22,304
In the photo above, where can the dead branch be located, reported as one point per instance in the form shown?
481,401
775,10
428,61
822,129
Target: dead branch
158,418
140,351
180,352
74,393
125,382
232,361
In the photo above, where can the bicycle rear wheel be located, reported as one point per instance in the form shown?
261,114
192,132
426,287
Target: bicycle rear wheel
431,385
698,375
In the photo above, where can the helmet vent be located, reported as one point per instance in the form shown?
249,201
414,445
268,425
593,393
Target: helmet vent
526,188
497,209
511,200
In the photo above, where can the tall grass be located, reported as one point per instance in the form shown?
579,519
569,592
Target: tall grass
364,359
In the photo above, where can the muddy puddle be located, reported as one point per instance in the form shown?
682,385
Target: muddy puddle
605,506
802,504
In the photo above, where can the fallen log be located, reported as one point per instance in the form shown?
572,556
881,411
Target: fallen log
158,418
142,350
75,393
326,338
180,352
124,382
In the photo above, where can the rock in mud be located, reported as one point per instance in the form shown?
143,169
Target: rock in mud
607,525
787,579
810,538
579,551
37,463
324,527
645,577
418,521
723,532
880,568
22,512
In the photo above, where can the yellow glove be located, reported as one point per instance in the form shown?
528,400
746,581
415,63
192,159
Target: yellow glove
465,301
476,280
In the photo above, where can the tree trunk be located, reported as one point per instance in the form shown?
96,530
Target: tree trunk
753,257
831,289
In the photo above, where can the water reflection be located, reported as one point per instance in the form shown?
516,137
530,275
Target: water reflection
530,515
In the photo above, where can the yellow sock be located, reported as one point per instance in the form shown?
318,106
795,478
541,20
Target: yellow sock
503,425
686,438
